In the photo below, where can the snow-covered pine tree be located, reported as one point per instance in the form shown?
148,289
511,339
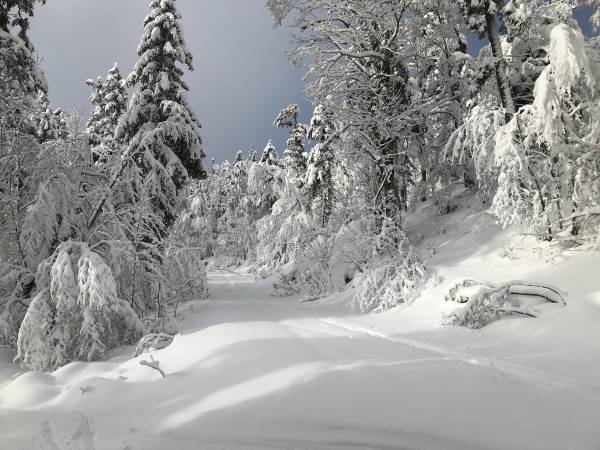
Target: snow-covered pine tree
269,155
319,181
162,131
238,157
110,99
94,127
293,155
116,99
49,124
252,154
19,70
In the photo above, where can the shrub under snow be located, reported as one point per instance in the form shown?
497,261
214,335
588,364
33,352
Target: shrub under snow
393,273
76,314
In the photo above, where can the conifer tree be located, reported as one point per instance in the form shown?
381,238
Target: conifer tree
293,155
162,131
94,127
238,157
116,94
49,124
19,71
110,99
319,182
269,155
252,154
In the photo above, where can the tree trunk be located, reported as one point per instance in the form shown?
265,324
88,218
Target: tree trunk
500,66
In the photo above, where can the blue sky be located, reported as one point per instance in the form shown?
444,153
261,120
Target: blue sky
242,75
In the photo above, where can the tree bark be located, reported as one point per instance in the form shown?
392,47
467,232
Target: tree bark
500,66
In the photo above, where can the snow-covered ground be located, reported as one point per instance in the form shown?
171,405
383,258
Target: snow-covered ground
253,371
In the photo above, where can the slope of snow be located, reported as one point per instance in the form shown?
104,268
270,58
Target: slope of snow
252,371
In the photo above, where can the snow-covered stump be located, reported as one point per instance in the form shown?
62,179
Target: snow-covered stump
484,303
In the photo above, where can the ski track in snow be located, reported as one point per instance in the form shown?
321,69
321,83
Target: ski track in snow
528,374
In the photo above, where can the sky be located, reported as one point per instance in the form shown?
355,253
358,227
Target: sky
242,76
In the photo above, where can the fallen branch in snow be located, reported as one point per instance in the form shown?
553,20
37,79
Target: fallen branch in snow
152,342
548,293
153,365
484,302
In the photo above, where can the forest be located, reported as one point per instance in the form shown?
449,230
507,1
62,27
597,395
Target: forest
112,224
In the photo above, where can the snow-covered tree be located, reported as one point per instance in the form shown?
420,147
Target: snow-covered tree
269,155
76,314
293,155
238,157
319,173
357,58
19,71
94,125
110,100
482,18
49,124
162,131
544,155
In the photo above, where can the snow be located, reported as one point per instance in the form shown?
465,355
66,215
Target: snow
253,371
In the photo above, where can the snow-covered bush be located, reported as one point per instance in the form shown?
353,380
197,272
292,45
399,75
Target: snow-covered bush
310,271
76,314
183,275
391,273
394,274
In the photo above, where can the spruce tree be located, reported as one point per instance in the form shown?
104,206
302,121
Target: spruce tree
238,157
160,127
21,77
252,154
293,155
115,102
49,124
110,98
269,155
94,125
319,182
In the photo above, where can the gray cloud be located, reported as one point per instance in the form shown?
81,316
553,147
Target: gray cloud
242,75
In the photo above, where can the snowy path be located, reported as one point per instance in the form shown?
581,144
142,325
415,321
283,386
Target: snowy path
252,371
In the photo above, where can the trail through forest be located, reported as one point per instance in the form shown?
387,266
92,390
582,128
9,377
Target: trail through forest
256,371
